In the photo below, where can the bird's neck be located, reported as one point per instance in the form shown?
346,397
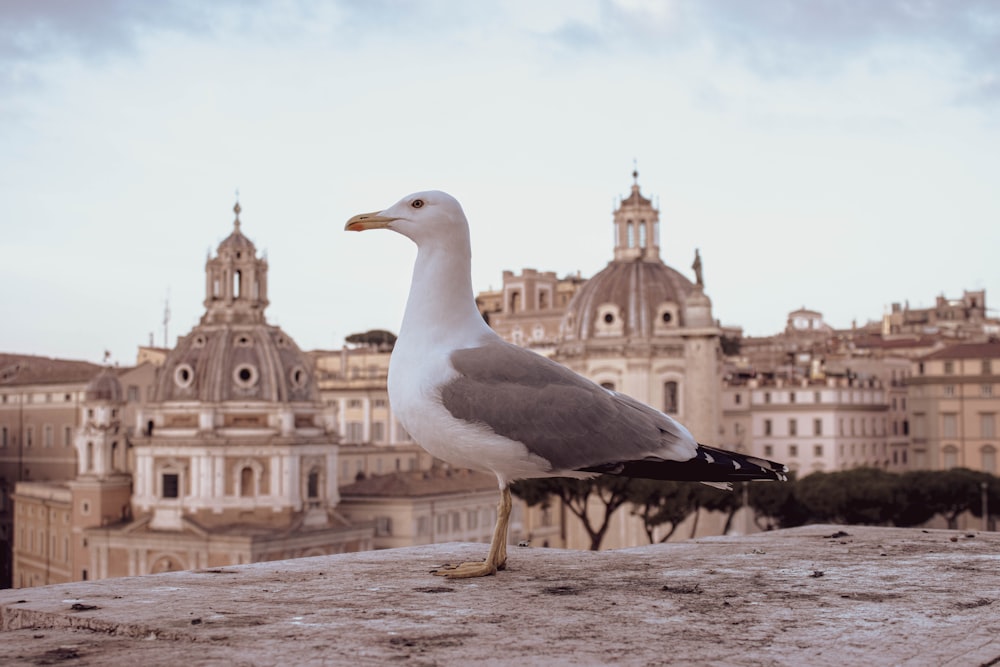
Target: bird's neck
441,307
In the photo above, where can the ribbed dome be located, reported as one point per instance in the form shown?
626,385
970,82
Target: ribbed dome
634,299
256,362
105,387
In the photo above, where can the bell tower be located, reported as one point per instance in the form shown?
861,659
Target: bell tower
637,227
235,281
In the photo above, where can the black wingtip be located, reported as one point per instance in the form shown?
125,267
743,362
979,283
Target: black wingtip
710,464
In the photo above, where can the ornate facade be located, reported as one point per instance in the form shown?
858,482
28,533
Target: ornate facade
236,459
643,328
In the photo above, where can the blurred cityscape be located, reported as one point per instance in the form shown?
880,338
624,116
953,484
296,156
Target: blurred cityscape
236,446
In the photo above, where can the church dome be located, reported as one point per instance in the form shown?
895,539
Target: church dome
104,387
234,354
634,299
636,296
236,362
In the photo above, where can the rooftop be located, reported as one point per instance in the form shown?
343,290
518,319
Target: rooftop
818,595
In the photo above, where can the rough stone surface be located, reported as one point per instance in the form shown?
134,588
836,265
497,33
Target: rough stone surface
817,595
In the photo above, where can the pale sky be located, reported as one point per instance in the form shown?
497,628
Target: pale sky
837,155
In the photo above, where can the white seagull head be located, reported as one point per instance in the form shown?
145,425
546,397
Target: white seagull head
421,217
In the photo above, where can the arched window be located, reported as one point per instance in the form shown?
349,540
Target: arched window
247,482
670,398
237,283
515,301
312,485
642,233
89,463
629,234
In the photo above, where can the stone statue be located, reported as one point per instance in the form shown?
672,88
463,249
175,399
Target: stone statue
697,269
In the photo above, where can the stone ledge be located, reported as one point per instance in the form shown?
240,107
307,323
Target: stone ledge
807,595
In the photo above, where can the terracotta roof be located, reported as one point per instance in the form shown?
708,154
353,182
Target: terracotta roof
22,369
433,482
968,351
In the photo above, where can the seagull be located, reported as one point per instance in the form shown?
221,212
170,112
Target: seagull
476,401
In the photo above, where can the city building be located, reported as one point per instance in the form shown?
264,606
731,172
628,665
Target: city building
954,400
818,425
43,409
962,318
440,504
642,328
528,310
233,458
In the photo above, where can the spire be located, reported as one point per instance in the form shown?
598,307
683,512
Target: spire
236,279
637,225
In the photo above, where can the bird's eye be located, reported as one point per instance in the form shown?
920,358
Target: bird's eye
417,203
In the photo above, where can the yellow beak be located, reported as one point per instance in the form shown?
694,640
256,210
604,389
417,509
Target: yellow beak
363,221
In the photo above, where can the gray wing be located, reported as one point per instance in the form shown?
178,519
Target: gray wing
558,414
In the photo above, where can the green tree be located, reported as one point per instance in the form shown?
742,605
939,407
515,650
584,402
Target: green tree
775,505
661,503
380,338
954,491
715,499
856,496
612,492
992,493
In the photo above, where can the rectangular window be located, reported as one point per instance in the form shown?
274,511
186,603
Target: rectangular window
47,435
768,450
133,394
67,436
791,397
171,485
818,451
817,427
793,427
29,436
949,390
354,432
793,450
986,391
949,425
987,425
378,431
949,367
3,436
987,367
767,427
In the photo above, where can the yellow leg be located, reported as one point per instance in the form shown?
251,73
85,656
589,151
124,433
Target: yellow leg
496,559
